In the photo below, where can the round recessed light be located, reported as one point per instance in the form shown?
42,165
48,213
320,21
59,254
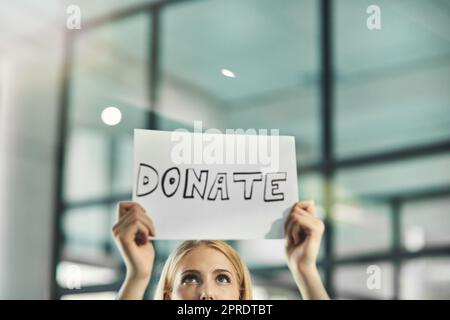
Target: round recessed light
111,116
228,73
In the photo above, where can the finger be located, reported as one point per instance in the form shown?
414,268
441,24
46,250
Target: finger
125,212
137,215
292,230
131,231
298,208
127,220
296,234
287,228
290,223
299,226
150,224
307,205
138,205
124,207
289,243
290,233
141,234
309,224
302,210
289,216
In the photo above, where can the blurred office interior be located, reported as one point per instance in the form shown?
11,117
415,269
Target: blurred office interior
369,109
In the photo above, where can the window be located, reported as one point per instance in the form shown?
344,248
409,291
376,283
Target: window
387,164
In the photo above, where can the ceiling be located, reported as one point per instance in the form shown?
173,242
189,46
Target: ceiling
394,77
271,48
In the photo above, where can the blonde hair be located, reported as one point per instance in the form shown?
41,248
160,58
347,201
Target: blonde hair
166,280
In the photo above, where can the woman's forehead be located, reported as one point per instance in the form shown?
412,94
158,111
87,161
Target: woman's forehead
205,259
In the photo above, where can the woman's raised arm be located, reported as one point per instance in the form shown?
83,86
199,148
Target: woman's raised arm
303,233
131,234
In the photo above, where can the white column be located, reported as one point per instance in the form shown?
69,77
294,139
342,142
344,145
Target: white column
28,119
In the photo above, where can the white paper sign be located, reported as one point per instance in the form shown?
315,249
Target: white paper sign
215,186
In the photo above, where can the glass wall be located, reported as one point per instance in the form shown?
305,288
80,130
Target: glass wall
391,120
163,67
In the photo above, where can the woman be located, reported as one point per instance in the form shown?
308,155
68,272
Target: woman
212,270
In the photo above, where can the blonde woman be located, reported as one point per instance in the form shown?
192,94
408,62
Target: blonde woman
212,269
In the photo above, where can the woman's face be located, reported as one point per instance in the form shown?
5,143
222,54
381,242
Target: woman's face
205,273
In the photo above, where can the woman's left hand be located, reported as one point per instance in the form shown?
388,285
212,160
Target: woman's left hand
303,233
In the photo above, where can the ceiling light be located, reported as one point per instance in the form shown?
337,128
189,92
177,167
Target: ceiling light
111,116
228,73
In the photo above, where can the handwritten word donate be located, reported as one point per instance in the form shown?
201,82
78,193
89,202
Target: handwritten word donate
198,187
205,185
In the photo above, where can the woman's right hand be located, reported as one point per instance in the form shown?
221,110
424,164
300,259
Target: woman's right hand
131,234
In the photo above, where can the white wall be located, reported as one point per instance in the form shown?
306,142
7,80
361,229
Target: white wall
28,118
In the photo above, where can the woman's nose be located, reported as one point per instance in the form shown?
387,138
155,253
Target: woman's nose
206,297
206,293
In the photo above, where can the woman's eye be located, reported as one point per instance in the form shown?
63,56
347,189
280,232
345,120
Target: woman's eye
191,278
222,278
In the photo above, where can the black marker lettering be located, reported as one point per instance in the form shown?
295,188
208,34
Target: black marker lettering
219,185
272,185
170,181
147,180
248,178
197,183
